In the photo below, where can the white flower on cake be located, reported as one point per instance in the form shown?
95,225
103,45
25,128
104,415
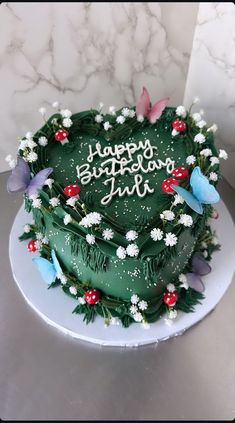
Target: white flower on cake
133,309
38,245
121,253
31,144
37,203
125,111
67,122
28,135
31,157
170,239
214,160
23,144
45,240
215,240
156,234
39,236
206,152
42,111
186,220
223,154
55,104
101,105
174,132
62,278
134,299
138,317
170,287
107,234
143,305
120,119
43,141
132,250
200,138
71,201
167,215
172,314
114,321
67,219
213,176
145,325
196,117
131,113
181,111
178,200
190,160
11,162
196,100
54,201
27,228
65,113
201,124
204,244
140,118
90,239
107,126
49,182
73,290
81,300
131,235
205,253
182,278
98,118
112,110
213,128
34,196
90,219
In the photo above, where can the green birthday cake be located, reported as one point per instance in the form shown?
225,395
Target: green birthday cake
121,204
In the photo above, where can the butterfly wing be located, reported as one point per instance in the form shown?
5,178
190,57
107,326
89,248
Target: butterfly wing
157,109
46,268
195,282
56,263
38,181
189,198
202,189
19,179
200,265
143,104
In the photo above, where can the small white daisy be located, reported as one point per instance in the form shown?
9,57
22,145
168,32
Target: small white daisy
201,124
133,309
62,278
170,239
71,201
131,113
138,317
45,240
101,105
170,287
213,176
186,220
140,118
196,100
196,117
81,300
90,219
205,253
206,152
223,154
132,250
31,144
143,305
121,253
73,290
156,234
43,141
200,138
107,234
107,126
167,215
134,299
32,157
42,111
125,112
214,160
172,314
38,245
145,325
213,128
90,239
181,111
37,203
98,118
120,119
39,236
182,278
215,240
67,219
112,110
131,235
49,182
27,228
65,113
28,135
178,200
54,201
204,244
190,160
67,122
55,104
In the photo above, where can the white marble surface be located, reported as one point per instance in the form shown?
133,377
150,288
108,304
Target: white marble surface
82,53
211,74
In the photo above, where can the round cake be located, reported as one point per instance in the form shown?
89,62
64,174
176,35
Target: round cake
121,206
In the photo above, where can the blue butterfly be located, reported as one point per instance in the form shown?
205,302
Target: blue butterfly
49,270
202,191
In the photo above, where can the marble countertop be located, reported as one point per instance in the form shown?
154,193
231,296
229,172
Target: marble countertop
46,375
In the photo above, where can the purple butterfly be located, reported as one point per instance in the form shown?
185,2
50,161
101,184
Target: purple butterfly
20,181
200,268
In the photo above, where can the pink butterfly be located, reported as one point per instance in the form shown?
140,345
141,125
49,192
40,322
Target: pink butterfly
144,108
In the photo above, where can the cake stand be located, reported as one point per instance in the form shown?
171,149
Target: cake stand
55,307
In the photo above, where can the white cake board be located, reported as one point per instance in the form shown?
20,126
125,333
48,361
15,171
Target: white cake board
55,307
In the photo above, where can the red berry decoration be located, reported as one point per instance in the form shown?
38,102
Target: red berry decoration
180,173
92,296
170,298
32,246
72,190
179,125
61,134
166,184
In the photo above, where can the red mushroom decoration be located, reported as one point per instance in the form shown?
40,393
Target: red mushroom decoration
166,184
61,135
170,298
180,173
72,190
32,246
179,125
92,296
